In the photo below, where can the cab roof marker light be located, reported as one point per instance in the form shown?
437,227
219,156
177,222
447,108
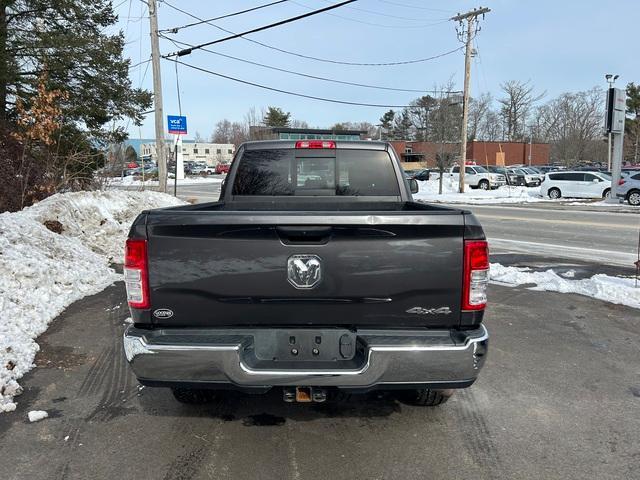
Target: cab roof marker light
315,144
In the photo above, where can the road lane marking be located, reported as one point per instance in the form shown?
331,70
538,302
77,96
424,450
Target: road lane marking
624,226
552,210
607,257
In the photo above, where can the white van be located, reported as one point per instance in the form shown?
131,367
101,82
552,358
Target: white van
576,184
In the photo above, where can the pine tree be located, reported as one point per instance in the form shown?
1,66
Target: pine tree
276,117
68,42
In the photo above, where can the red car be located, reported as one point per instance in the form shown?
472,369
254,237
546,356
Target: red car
222,168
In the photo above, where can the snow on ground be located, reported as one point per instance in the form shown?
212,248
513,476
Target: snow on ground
130,181
507,194
100,219
37,415
42,272
603,287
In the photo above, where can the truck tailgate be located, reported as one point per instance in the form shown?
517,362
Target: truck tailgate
387,269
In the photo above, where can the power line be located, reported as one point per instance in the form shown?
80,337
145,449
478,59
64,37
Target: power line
318,59
398,4
366,22
259,29
287,92
381,14
176,29
306,75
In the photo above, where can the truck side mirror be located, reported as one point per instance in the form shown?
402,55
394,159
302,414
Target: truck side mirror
413,185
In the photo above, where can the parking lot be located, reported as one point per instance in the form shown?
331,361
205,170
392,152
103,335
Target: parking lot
559,398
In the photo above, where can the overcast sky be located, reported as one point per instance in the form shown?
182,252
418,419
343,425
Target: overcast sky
559,46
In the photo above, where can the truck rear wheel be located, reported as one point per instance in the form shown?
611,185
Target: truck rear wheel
483,185
193,396
426,397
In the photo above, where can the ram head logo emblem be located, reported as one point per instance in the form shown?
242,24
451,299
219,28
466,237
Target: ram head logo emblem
304,271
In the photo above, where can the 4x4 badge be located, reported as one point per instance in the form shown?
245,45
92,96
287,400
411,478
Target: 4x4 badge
430,311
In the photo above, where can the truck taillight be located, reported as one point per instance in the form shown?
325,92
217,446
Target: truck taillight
136,277
315,144
475,275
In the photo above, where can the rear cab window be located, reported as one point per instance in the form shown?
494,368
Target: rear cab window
309,172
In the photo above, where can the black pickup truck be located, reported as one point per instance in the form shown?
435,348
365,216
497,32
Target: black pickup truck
315,273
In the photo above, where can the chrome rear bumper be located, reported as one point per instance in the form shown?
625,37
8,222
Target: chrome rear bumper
220,356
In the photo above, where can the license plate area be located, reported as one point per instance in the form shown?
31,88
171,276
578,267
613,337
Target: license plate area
304,345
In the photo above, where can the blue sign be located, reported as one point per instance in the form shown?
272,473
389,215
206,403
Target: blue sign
177,124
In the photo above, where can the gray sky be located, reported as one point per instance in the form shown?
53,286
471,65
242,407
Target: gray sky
558,45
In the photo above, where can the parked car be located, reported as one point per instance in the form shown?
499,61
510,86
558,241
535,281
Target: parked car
222,168
576,184
308,288
423,174
477,176
629,189
531,177
509,175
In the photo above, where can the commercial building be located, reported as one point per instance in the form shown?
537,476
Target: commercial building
212,153
285,133
415,155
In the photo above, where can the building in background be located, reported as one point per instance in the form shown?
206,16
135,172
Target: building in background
285,133
211,153
417,155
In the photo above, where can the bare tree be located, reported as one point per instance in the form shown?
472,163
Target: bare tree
479,108
572,123
222,132
518,99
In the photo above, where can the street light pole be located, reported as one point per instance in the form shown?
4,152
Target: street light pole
611,80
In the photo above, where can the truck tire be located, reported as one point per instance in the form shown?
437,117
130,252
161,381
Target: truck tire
606,193
193,396
426,397
554,193
633,197
483,185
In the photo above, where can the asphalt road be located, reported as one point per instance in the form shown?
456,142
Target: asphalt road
559,398
593,234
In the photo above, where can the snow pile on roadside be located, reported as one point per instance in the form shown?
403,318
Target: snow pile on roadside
136,182
100,219
428,192
603,287
42,272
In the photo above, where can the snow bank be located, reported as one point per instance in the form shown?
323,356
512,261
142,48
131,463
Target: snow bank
37,415
101,219
428,192
42,272
131,181
603,287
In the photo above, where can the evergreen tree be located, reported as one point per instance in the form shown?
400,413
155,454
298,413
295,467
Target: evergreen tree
276,117
68,43
386,124
402,126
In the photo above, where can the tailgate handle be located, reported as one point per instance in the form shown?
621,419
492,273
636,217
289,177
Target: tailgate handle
304,234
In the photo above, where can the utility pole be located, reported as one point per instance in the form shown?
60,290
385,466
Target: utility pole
466,34
157,96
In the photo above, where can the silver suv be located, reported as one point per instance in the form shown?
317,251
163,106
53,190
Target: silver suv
629,189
